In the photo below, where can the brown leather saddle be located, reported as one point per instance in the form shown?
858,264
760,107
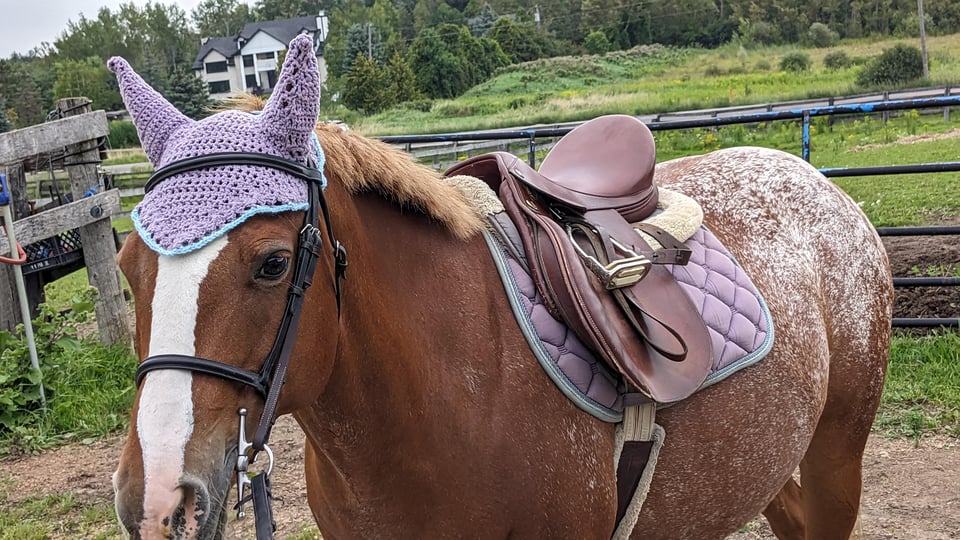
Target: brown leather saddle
577,219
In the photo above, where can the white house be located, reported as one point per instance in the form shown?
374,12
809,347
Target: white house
248,62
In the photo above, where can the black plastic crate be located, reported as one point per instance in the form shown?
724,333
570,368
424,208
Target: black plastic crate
63,249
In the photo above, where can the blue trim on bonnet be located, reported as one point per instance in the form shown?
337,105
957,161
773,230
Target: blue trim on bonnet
321,159
152,244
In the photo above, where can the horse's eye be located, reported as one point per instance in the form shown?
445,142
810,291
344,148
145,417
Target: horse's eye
273,268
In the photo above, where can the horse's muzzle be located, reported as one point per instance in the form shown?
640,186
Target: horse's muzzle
188,512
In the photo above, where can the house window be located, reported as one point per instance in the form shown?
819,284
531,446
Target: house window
219,87
216,67
248,60
251,81
265,56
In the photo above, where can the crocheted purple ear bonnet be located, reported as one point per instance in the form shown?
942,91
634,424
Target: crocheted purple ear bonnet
189,210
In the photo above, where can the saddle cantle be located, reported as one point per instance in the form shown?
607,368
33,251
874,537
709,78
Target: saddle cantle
594,271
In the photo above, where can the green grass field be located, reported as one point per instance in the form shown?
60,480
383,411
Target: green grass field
648,79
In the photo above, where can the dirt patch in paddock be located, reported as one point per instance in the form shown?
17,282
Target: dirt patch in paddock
910,489
913,256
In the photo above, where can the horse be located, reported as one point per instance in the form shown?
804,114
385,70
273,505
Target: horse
425,413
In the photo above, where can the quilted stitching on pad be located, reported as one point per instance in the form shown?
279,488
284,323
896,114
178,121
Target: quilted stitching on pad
726,298
578,364
720,289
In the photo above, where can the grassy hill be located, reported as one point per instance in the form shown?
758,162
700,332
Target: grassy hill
646,79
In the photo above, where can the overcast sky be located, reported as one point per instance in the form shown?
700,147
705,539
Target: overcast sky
25,24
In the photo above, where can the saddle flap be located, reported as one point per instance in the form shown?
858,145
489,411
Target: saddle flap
665,350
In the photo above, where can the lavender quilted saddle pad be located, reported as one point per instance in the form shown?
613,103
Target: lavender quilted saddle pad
735,313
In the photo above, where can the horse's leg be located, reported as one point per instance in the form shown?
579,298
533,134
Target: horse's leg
785,512
831,470
831,477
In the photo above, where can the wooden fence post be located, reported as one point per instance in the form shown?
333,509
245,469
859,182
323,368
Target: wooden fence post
99,249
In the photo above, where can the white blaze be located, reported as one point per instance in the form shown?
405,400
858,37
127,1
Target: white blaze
165,414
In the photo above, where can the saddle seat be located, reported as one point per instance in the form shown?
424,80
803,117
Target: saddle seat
606,163
594,271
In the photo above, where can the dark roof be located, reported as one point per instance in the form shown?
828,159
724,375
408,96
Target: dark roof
226,46
283,30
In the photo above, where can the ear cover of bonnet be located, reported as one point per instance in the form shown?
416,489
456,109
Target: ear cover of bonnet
189,210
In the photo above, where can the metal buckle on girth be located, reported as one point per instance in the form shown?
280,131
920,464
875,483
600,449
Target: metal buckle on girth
615,274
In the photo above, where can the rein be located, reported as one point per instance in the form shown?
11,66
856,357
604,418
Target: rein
272,374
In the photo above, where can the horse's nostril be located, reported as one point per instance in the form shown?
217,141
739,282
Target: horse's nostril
195,506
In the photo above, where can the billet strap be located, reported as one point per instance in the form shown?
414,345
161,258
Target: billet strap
638,424
638,421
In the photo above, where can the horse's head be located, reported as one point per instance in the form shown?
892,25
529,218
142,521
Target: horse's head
221,245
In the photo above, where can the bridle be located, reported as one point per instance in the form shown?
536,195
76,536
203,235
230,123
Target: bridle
272,374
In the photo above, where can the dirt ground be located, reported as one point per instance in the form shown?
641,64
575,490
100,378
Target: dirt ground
911,488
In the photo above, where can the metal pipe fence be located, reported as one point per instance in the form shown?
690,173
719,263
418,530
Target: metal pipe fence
805,116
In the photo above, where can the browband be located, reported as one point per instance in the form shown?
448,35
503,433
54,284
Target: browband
233,158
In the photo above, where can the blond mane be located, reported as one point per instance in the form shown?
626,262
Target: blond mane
363,164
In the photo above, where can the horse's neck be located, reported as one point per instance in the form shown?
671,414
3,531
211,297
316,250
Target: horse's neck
416,313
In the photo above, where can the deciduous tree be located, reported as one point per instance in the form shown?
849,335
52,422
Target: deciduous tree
89,78
221,18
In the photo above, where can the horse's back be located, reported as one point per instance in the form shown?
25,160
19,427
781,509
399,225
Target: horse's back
790,227
824,275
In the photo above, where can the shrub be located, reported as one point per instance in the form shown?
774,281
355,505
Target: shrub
123,134
596,42
756,33
894,66
713,71
762,65
820,35
422,105
795,62
89,387
837,60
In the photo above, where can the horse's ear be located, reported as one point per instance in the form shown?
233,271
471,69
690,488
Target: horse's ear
155,117
290,114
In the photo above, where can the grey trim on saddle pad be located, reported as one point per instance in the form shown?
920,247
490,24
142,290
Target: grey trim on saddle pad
588,382
530,332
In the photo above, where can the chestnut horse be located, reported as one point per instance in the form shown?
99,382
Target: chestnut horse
427,416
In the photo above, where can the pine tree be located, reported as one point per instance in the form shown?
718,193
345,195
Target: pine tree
189,93
5,124
367,89
403,83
